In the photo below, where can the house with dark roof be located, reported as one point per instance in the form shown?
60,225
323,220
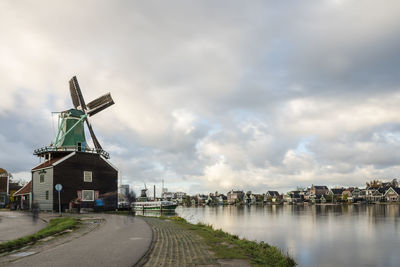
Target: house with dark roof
374,193
293,197
235,196
336,193
319,190
221,199
392,194
347,194
271,196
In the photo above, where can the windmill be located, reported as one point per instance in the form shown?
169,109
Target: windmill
71,135
84,172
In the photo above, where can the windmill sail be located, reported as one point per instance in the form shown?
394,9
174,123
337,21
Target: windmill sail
99,104
91,108
76,94
94,139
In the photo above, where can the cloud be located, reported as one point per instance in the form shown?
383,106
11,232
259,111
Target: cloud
210,95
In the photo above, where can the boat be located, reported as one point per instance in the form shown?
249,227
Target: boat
167,206
142,204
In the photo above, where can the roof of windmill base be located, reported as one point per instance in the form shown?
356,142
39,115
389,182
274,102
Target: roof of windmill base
56,160
48,163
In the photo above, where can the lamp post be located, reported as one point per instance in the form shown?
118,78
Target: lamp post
59,188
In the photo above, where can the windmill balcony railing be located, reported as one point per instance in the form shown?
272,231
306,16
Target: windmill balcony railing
48,149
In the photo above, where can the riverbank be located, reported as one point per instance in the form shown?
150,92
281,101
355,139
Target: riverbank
179,243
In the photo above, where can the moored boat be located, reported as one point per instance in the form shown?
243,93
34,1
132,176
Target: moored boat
142,204
154,206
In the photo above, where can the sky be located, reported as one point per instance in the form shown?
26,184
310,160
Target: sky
210,95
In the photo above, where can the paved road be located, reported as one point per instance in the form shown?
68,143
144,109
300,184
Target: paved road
121,241
14,224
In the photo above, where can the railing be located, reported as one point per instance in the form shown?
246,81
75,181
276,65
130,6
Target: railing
48,149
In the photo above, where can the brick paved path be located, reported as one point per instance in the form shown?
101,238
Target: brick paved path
175,246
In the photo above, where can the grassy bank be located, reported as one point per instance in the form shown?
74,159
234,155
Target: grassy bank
55,226
227,246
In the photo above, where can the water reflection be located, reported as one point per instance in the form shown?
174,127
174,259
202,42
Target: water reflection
316,235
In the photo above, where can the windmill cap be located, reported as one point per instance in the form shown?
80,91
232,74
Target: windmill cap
75,113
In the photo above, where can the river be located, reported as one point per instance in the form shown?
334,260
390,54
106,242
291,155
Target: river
315,235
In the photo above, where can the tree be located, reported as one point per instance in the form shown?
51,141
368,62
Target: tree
187,201
374,183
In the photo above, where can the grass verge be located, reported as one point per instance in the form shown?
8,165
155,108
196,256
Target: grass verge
55,226
227,246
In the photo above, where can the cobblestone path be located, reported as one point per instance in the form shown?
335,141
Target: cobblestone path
175,246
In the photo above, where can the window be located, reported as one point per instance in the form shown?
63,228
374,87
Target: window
41,180
87,195
47,195
87,176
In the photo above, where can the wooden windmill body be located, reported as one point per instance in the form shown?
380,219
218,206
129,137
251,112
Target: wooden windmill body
85,172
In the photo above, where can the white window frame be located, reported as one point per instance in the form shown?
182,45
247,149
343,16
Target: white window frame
83,195
86,177
40,178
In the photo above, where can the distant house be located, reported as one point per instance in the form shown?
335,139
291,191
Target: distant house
369,191
271,196
201,199
23,196
180,197
392,194
336,193
211,200
317,199
347,194
247,198
235,196
167,195
258,198
319,190
293,197
193,201
221,199
374,194
358,194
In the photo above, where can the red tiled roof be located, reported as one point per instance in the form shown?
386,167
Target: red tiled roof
47,163
24,190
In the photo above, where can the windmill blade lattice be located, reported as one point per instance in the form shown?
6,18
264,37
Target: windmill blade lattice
76,94
91,108
99,104
94,139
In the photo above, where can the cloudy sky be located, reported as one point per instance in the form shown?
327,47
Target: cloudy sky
210,95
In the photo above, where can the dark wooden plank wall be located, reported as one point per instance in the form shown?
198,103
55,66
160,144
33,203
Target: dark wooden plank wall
69,174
